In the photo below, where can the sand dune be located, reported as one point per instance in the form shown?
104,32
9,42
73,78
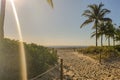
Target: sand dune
81,67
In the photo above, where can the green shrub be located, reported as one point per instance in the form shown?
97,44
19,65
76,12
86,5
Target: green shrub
117,47
106,52
38,58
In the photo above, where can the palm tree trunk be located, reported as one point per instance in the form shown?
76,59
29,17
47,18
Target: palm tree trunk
113,41
100,58
96,31
101,40
2,16
108,41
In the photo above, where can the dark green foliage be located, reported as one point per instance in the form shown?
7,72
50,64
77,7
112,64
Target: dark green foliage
9,60
39,59
117,47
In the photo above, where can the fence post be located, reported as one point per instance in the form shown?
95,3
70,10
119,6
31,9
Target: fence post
61,67
100,57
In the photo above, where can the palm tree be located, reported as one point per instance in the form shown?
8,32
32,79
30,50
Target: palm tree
117,36
110,32
101,29
113,35
2,16
100,33
95,14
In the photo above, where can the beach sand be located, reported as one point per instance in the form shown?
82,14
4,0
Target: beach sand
81,67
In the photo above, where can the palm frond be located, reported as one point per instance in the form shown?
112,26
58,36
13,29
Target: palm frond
103,12
86,22
100,6
106,19
88,13
50,3
94,34
92,7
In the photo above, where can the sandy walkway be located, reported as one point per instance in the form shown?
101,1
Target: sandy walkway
80,67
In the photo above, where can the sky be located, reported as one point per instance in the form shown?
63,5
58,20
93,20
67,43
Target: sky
58,26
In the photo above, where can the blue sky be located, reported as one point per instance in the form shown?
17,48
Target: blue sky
59,26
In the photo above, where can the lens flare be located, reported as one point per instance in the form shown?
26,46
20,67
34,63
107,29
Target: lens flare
22,51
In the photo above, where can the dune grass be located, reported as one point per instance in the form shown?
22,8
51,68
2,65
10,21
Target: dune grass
106,52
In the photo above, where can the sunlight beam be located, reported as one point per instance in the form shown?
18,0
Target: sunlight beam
22,51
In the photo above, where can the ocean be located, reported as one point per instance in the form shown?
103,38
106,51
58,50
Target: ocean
66,46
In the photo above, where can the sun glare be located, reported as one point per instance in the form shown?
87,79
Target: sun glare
17,2
22,51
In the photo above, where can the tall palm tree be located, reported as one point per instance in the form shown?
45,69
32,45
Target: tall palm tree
2,16
102,26
110,32
113,35
100,33
95,14
117,36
